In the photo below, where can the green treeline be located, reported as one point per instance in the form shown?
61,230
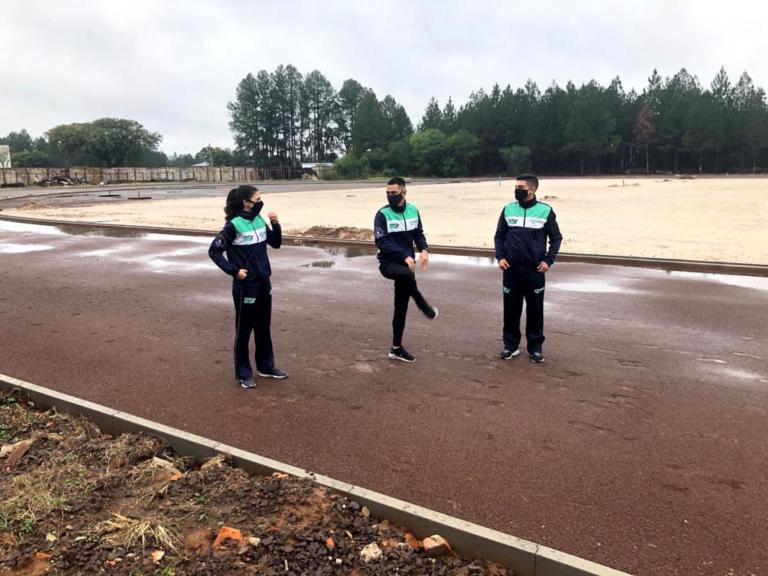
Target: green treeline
107,142
284,118
675,125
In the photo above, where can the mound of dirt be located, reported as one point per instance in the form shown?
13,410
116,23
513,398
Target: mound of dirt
74,501
33,205
341,233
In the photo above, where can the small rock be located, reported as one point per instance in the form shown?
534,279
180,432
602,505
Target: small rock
18,452
371,553
339,561
254,542
165,465
157,555
436,545
365,512
412,542
330,544
215,462
228,534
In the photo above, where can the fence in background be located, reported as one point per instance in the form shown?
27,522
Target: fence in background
74,176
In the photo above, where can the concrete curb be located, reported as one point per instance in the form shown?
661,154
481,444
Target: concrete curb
703,267
524,557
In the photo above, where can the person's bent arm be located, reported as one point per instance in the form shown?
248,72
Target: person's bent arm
218,248
555,238
275,234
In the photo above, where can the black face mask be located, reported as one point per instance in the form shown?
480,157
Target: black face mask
521,194
257,206
394,200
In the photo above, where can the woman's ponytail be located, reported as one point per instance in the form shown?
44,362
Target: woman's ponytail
235,199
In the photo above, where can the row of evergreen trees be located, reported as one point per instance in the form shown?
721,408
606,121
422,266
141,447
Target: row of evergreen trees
673,125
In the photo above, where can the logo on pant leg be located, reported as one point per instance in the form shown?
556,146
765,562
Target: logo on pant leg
538,290
506,290
249,300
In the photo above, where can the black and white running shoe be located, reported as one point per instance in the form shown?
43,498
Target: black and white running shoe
506,354
274,373
401,354
246,382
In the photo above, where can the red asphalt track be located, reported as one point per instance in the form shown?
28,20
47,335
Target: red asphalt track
640,443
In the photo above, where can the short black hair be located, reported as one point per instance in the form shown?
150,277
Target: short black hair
530,179
397,181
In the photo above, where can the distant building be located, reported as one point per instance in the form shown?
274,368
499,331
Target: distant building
5,156
201,165
316,167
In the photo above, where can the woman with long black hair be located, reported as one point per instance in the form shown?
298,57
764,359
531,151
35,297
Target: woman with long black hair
244,240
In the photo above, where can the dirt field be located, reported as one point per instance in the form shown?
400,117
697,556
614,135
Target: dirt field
717,219
75,501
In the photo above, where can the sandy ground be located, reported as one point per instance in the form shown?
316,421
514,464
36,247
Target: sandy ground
717,219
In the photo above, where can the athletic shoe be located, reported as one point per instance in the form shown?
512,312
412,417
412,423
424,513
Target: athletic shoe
402,354
537,357
430,312
274,373
246,382
506,354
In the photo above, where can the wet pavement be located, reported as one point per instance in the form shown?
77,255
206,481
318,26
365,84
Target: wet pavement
640,443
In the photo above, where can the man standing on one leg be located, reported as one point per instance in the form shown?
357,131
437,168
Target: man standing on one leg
521,251
397,227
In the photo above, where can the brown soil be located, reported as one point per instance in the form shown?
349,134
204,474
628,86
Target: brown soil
74,500
33,205
342,232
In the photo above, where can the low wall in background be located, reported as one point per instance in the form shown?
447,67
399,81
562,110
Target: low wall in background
46,176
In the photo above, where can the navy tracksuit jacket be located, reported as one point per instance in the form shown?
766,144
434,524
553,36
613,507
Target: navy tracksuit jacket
244,240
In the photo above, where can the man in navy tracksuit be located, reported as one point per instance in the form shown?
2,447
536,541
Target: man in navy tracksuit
397,227
244,239
521,251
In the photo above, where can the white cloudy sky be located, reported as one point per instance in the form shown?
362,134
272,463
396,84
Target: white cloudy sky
173,65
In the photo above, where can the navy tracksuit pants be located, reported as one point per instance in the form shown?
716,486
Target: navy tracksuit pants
253,315
523,284
405,289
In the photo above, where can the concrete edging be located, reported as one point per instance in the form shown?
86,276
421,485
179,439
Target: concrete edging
704,267
524,557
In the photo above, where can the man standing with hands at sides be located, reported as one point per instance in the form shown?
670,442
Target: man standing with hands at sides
397,227
244,240
521,251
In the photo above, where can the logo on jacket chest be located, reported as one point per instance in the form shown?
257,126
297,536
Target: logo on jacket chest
405,225
251,237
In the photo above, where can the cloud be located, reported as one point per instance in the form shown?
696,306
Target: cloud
173,65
